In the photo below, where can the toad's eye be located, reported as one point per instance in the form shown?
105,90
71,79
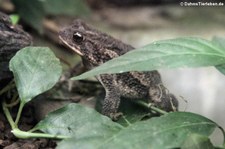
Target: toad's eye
77,37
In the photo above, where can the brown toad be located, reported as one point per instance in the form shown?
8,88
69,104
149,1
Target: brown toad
96,48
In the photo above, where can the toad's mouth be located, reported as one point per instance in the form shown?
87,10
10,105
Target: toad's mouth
71,47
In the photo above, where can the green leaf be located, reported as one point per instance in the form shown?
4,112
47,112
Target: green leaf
68,7
35,70
31,11
220,42
14,18
196,141
78,121
89,129
181,52
168,131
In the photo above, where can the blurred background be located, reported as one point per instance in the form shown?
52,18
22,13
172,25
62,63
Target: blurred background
138,22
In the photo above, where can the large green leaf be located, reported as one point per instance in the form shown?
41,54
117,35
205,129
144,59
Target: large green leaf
168,131
35,70
68,7
181,52
90,129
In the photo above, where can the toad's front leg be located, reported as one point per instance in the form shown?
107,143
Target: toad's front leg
112,97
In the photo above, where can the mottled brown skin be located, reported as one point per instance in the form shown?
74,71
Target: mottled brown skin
12,39
95,48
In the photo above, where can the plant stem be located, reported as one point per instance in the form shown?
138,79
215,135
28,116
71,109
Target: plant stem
13,103
19,112
25,135
8,116
149,106
33,129
7,87
128,123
